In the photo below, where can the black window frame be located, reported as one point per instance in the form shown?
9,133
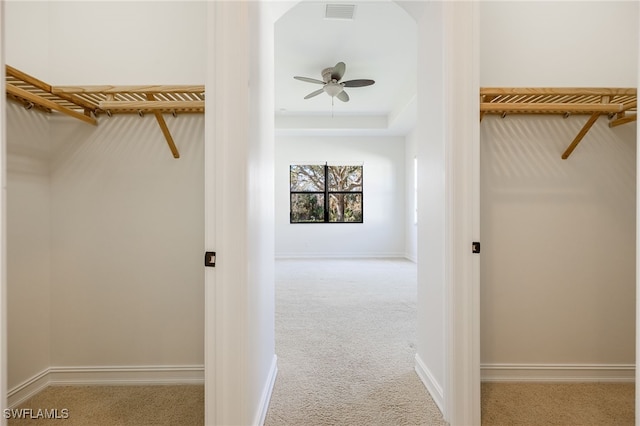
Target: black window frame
326,195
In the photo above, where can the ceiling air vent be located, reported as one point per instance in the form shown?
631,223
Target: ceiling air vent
340,11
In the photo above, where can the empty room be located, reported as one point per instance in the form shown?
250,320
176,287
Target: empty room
345,217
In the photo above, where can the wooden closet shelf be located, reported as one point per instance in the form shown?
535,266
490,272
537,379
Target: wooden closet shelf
618,104
87,103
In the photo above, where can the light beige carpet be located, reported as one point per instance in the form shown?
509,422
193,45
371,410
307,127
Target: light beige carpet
118,406
563,404
345,339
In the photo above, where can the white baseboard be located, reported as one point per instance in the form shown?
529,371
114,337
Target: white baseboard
126,375
265,398
28,388
557,373
285,256
106,375
432,385
411,258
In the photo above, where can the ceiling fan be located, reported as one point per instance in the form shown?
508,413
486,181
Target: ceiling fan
331,83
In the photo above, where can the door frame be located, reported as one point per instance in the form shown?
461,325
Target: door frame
462,211
637,387
3,222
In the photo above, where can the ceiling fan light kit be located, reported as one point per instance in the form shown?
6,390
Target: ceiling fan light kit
331,83
332,88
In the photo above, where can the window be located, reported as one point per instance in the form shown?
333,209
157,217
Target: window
325,194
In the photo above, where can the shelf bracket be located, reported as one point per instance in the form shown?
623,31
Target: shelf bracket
623,119
594,117
165,129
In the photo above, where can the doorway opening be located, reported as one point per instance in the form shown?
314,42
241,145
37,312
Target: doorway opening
373,129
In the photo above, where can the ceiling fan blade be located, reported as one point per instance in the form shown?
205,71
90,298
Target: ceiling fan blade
357,83
309,80
343,96
312,94
338,71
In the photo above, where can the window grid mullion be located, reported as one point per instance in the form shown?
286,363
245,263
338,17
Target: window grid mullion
327,193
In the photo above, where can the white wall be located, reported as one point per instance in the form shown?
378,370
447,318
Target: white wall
558,236
558,43
105,243
124,218
104,42
127,42
127,243
382,233
27,37
558,271
262,361
28,243
429,137
28,203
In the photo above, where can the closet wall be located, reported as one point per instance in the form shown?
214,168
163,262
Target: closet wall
28,244
127,242
558,236
105,227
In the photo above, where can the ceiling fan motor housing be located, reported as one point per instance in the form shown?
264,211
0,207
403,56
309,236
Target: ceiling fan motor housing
326,74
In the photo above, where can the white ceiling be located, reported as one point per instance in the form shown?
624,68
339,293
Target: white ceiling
378,44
